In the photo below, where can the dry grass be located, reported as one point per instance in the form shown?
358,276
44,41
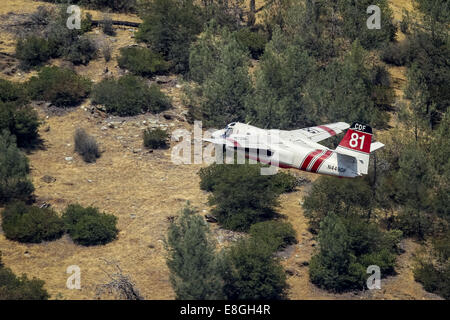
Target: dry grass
142,189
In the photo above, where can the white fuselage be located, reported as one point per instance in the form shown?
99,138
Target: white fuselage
279,148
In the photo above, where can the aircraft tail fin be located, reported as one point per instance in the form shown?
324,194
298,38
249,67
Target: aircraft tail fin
357,143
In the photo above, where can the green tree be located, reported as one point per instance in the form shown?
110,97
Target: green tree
342,197
61,86
278,101
251,272
345,91
242,196
14,169
193,264
354,17
16,115
169,27
225,91
30,224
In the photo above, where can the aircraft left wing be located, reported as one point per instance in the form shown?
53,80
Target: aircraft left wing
318,133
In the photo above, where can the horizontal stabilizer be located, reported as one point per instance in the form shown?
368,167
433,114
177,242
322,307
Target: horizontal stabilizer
375,146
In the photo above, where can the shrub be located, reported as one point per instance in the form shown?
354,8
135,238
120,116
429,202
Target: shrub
108,27
329,194
347,247
142,61
115,5
20,288
16,116
31,224
61,86
155,138
413,222
128,96
276,234
81,51
86,146
87,226
433,269
14,168
32,51
251,272
396,53
284,182
106,50
254,41
241,195
169,27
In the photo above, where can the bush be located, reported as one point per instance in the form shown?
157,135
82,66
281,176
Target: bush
61,86
169,27
285,182
276,234
32,51
240,194
347,247
81,51
106,50
155,138
433,279
142,61
16,116
128,96
108,27
86,146
20,288
87,226
254,41
413,223
14,169
251,273
31,224
396,53
329,194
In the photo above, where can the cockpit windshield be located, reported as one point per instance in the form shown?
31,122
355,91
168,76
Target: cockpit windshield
229,129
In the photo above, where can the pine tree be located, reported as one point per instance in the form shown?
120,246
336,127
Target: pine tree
278,100
227,88
192,261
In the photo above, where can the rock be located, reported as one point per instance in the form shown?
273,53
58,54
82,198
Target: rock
137,150
132,216
48,179
290,272
111,125
47,129
103,128
68,158
210,218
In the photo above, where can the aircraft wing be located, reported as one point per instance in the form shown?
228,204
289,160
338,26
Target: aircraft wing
318,133
240,142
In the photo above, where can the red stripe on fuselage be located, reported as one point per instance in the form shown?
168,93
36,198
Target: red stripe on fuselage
321,159
308,159
329,130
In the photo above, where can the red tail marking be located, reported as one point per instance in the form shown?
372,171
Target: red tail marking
329,130
308,159
319,161
357,140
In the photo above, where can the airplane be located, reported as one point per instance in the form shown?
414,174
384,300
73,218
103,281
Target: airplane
300,149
